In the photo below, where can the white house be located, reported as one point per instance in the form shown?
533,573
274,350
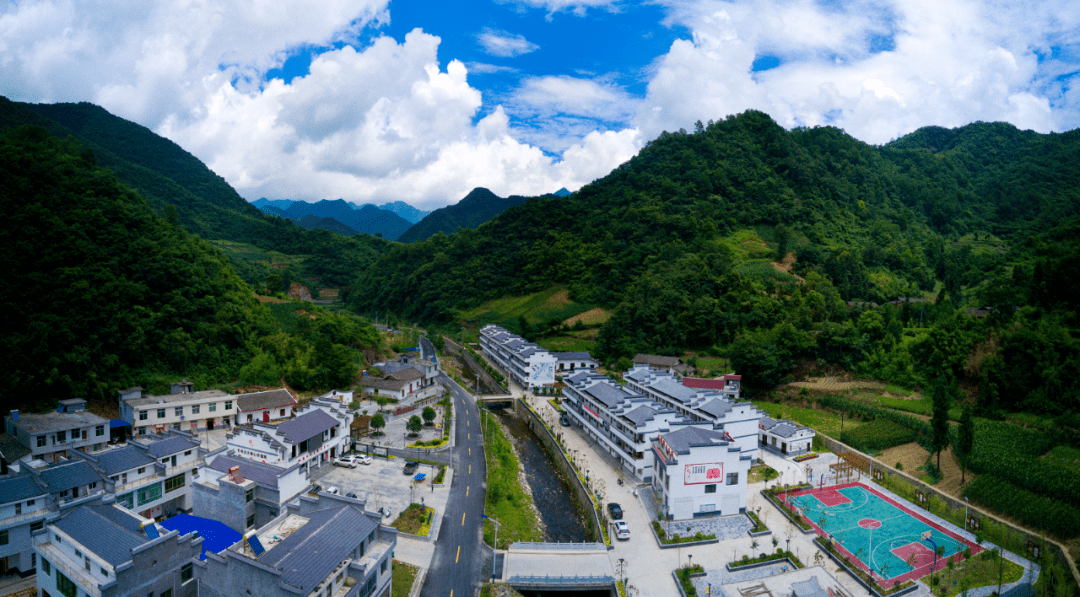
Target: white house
52,436
785,436
318,434
699,472
182,409
270,405
572,362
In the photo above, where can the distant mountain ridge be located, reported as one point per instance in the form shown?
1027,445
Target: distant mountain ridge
366,218
479,206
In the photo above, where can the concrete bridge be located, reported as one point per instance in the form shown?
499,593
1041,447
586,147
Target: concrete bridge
569,567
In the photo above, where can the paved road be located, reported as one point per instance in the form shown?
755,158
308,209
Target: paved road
459,552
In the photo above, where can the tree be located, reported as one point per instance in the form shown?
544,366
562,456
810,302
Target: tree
939,419
965,440
429,415
414,425
377,423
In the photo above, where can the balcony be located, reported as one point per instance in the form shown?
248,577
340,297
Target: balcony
88,583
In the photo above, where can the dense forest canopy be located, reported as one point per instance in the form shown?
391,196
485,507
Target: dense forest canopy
104,294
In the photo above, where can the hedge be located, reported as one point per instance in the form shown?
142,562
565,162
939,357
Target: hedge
867,411
1031,509
1012,453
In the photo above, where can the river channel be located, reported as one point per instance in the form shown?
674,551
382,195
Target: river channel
552,497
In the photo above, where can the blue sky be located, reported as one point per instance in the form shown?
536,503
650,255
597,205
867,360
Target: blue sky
421,101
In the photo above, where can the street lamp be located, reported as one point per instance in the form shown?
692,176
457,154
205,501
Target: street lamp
494,546
690,560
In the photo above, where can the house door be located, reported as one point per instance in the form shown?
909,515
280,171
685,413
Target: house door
84,434
783,447
266,416
210,424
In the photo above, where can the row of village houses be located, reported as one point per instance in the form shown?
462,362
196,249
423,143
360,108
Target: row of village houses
660,425
86,516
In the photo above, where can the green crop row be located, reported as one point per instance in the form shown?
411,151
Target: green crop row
1034,510
877,435
1012,453
867,411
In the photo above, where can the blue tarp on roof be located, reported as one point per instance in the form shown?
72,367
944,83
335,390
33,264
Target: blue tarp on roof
114,423
217,536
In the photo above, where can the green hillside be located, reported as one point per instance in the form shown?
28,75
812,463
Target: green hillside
103,294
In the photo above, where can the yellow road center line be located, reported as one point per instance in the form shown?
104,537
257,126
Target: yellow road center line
470,450
462,519
458,554
466,491
470,468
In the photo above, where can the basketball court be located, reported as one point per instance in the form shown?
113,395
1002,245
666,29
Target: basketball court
877,533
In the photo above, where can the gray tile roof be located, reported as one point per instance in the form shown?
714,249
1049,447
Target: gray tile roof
12,448
165,399
566,356
407,374
638,375
674,389
380,383
767,423
16,488
123,459
311,553
526,352
68,475
784,429
640,415
260,400
104,530
607,395
715,407
655,360
36,423
172,445
307,425
689,437
267,474
577,376
512,344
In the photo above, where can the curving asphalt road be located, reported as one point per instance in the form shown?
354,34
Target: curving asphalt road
456,566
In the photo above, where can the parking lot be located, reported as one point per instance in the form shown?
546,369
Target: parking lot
383,485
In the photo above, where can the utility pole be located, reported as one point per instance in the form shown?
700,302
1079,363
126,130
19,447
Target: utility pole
494,545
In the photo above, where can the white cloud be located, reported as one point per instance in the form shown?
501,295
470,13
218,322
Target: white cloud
504,44
578,7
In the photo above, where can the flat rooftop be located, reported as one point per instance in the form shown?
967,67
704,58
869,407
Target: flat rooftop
168,398
54,421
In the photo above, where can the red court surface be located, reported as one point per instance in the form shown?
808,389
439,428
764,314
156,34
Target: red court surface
868,516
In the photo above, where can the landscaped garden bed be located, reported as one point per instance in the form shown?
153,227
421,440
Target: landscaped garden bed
684,575
805,457
759,527
780,555
415,520
675,539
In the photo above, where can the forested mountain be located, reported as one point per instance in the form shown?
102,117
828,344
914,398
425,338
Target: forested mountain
366,218
670,242
410,213
313,222
102,293
178,186
479,206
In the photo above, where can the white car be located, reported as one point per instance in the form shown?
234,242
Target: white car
364,459
348,461
333,490
622,530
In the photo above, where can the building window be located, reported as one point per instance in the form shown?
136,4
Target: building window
104,572
383,566
61,437
161,413
41,441
228,405
93,485
195,409
142,430
251,520
142,470
179,411
143,414
186,572
213,407
283,412
166,593
176,426
87,559
18,509
174,483
249,495
733,478
58,538
37,525
126,500
188,453
99,430
3,537
46,567
78,553
64,585
149,494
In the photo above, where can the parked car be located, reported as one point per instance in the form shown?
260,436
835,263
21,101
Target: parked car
333,490
351,495
615,510
564,420
410,467
388,512
346,461
315,489
622,530
364,458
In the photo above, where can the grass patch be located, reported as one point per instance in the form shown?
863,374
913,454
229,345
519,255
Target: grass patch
568,343
415,520
592,317
762,270
404,577
506,501
762,472
712,365
825,422
747,244
972,573
537,308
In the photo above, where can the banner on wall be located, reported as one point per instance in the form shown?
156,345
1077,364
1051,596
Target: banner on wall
696,474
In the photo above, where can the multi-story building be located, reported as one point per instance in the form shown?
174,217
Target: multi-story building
672,365
271,405
244,494
152,475
182,409
786,437
321,547
729,385
52,436
318,434
24,504
699,472
738,419
399,385
108,551
527,364
572,362
624,423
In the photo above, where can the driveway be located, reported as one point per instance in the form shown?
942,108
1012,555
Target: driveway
383,485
